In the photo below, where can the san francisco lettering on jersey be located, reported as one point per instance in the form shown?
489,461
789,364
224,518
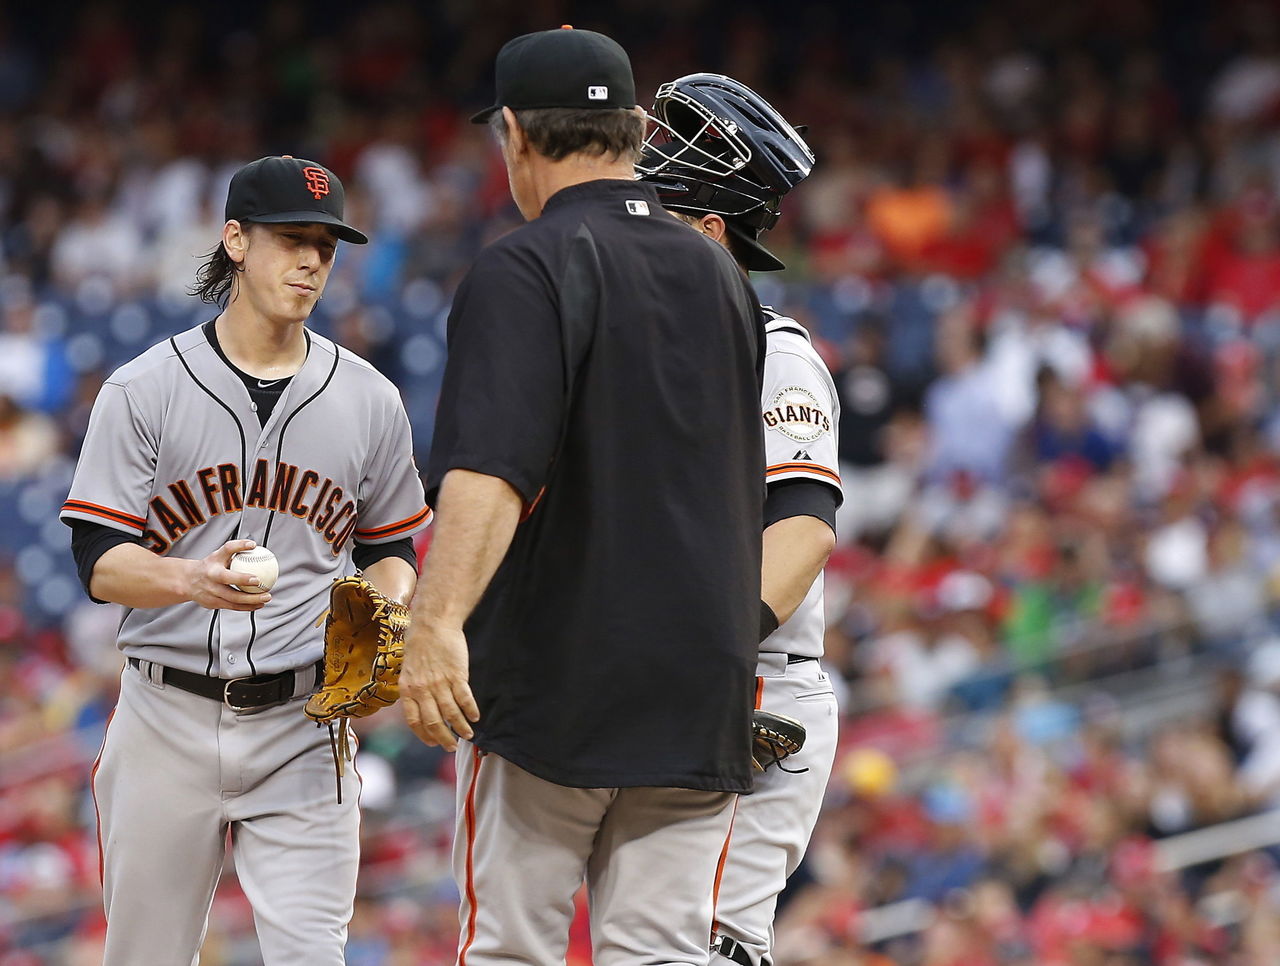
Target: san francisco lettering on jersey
281,488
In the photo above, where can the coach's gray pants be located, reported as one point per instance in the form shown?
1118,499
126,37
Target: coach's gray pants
523,846
176,775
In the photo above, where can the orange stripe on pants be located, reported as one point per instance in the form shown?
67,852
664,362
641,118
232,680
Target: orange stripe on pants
724,855
470,817
93,793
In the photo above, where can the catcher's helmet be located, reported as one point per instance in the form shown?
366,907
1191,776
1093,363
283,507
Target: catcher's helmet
719,147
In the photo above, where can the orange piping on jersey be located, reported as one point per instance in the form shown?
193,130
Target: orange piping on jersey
537,499
780,469
759,692
469,815
119,516
93,793
391,529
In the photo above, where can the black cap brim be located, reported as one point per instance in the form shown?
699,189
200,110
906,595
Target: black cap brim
482,117
344,231
754,256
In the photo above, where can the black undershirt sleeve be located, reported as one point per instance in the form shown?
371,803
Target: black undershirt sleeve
366,555
89,541
801,498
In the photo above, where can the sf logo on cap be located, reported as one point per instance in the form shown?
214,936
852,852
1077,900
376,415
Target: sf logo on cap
597,93
317,181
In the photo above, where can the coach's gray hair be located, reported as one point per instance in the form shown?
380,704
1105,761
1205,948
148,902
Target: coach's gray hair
557,132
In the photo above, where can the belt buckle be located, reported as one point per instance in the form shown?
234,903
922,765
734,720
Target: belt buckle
226,697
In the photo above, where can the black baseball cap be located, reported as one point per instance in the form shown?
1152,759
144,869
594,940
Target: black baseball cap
283,189
562,68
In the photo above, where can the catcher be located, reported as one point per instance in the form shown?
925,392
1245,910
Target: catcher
722,159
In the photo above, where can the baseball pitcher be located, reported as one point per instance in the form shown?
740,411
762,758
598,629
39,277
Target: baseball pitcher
247,431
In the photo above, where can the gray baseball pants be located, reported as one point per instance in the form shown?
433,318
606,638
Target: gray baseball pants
523,846
177,774
772,826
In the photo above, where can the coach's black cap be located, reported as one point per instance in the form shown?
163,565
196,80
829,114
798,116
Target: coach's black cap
562,68
289,189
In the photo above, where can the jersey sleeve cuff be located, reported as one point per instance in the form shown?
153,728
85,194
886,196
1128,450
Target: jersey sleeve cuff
520,481
105,515
800,470
398,530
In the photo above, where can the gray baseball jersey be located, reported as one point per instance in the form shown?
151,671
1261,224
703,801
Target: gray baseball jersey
176,455
801,418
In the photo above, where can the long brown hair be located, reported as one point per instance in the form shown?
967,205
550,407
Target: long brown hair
214,277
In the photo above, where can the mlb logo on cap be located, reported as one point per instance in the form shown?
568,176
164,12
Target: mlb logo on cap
566,68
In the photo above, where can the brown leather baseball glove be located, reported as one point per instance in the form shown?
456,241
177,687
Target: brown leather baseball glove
363,652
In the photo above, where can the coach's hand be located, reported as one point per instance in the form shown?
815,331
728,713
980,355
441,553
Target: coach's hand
210,582
434,691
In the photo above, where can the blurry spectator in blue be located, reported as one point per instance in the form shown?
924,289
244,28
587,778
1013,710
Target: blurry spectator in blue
1040,717
1063,430
952,860
969,433
33,367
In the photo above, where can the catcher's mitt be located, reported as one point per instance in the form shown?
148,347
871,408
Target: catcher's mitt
363,652
774,737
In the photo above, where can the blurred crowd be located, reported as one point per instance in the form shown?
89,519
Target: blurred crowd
1040,252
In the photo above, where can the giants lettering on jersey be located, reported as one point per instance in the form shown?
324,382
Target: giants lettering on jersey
216,490
796,413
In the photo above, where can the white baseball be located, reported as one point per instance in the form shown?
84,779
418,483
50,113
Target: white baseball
260,562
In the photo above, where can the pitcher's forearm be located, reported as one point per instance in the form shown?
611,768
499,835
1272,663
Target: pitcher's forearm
394,577
131,575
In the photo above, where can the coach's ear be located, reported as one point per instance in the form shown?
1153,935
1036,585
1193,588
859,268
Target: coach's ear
235,239
517,143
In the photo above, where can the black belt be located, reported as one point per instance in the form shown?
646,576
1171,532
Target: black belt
731,949
798,658
238,694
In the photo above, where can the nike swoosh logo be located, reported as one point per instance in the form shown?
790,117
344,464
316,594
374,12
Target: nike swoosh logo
267,384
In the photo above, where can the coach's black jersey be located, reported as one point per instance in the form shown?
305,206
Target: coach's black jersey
605,360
